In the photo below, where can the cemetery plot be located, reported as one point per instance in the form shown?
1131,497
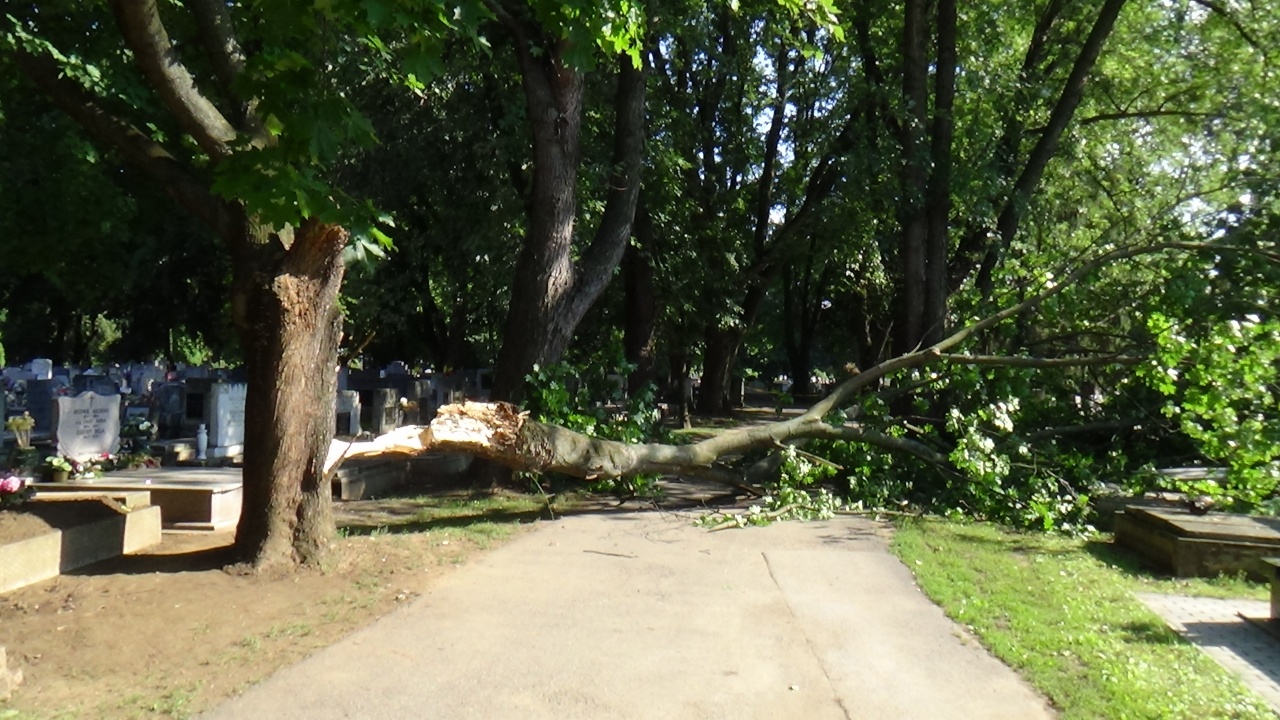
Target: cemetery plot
78,531
1190,545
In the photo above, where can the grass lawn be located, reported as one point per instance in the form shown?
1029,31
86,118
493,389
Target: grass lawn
1062,612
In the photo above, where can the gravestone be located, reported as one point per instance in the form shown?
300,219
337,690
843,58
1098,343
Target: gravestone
197,404
226,419
420,394
144,378
347,413
39,400
98,384
195,372
42,368
342,378
396,368
448,390
484,384
14,374
169,401
88,425
385,413
617,384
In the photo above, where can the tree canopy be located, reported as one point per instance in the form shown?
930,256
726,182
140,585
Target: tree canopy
817,190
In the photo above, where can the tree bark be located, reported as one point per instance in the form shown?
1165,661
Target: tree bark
551,294
938,214
641,312
909,328
284,291
286,311
718,358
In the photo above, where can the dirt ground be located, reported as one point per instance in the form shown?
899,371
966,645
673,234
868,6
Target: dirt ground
168,633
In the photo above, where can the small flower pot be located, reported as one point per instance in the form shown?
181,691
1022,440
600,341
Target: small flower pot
59,476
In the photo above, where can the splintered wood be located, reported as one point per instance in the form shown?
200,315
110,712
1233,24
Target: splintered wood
486,429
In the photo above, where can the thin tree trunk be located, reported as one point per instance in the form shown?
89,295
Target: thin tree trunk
938,212
641,315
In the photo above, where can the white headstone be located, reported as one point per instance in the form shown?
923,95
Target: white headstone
226,418
88,425
42,368
348,409
145,377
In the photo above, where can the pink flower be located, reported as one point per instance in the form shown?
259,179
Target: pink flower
11,484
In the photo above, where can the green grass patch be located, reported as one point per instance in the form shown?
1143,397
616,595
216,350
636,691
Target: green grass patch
1062,612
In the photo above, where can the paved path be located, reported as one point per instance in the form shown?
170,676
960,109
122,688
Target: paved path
1219,628
645,616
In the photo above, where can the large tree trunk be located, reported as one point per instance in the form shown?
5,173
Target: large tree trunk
909,327
285,307
285,285
537,328
551,293
718,359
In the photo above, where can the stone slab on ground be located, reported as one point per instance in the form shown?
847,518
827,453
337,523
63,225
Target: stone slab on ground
364,478
46,556
1219,627
1190,545
190,498
129,499
643,615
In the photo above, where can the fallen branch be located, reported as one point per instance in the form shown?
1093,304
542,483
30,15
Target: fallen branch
501,433
733,520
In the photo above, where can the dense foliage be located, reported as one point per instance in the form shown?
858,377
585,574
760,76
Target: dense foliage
824,186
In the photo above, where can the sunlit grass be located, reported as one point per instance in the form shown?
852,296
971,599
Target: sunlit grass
1063,613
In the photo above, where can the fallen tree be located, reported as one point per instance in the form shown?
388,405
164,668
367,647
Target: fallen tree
500,432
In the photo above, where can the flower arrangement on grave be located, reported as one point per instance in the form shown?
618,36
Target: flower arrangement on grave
138,427
89,469
14,491
136,434
57,463
20,426
136,460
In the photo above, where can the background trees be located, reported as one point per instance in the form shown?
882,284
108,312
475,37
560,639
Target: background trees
744,188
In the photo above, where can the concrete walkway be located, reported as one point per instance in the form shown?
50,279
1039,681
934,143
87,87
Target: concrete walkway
645,616
1220,628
